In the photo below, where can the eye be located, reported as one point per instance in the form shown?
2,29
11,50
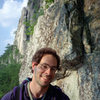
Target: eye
53,69
44,66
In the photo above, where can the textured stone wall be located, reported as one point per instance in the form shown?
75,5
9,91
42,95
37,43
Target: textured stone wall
89,77
71,27
20,37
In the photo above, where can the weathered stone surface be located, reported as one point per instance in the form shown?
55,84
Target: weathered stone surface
89,77
70,85
71,27
92,22
20,37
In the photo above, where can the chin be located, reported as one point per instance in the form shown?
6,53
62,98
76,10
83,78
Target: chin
45,84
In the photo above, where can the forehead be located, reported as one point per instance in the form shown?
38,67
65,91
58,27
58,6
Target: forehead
49,59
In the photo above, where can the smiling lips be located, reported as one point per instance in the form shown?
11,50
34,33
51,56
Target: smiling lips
46,78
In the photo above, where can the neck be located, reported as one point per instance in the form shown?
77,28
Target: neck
36,90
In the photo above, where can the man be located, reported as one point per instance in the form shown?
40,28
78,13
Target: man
45,63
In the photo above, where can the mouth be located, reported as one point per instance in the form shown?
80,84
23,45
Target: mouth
46,79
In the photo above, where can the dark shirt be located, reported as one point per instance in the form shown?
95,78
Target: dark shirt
53,93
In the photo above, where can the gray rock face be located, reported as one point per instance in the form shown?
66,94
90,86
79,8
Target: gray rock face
20,37
67,27
89,77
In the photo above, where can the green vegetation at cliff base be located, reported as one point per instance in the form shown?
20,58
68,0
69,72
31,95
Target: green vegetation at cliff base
9,70
8,77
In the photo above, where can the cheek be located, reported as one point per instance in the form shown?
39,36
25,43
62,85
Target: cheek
53,75
37,71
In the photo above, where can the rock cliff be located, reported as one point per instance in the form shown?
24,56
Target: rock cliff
71,27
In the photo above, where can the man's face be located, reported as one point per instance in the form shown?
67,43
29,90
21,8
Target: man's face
44,72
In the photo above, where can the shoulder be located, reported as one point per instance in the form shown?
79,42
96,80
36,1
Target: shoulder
14,94
58,93
11,95
17,91
8,96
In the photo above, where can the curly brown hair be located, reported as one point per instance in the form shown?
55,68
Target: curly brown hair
41,52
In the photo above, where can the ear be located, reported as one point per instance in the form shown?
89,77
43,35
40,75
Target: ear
33,65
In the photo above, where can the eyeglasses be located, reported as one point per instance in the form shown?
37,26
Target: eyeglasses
45,67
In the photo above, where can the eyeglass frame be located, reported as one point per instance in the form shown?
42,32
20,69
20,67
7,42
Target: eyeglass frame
46,67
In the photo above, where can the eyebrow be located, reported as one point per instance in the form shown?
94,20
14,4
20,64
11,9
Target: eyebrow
49,65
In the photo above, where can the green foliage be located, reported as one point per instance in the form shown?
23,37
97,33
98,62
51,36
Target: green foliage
9,69
8,55
48,2
16,51
5,56
30,24
29,28
8,77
